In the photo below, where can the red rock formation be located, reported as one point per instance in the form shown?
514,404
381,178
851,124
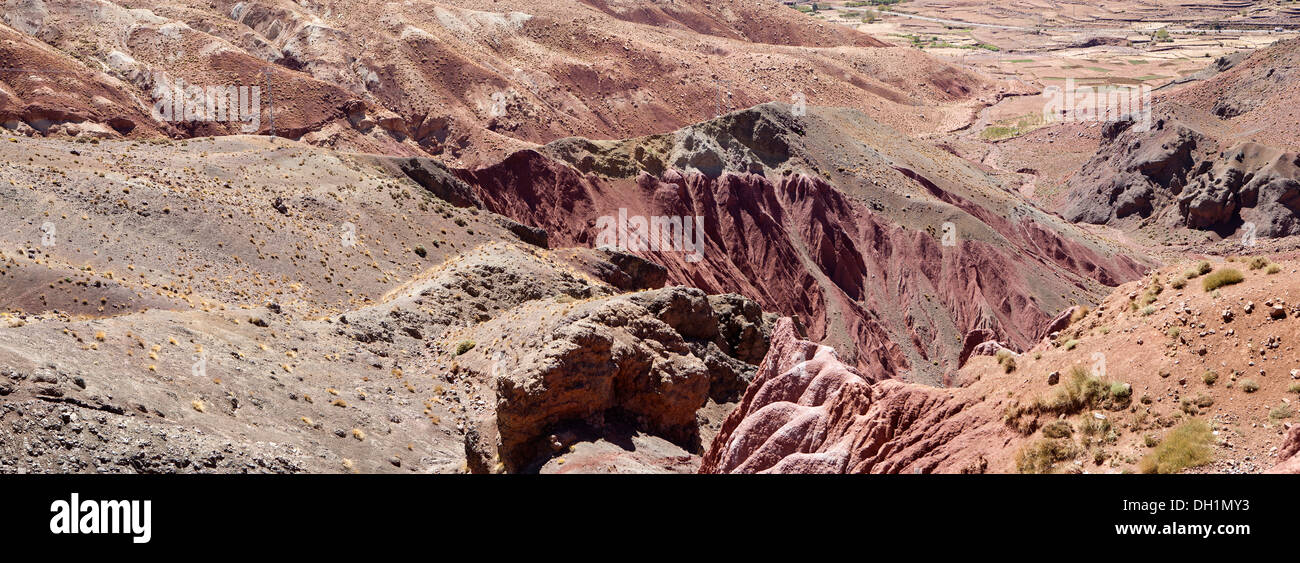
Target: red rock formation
1289,454
884,295
973,339
807,412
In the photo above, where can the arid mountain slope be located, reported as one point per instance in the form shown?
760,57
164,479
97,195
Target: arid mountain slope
828,215
1222,156
242,305
1149,363
453,78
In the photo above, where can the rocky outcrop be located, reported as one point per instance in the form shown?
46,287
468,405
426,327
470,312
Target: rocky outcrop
1217,158
1175,172
613,359
623,270
1288,455
438,181
1251,183
643,361
808,412
1136,173
971,341
1059,323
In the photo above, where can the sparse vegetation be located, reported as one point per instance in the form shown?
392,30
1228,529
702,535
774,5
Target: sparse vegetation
1012,127
1194,406
1222,277
1150,294
1079,390
1120,390
1203,267
1058,429
1188,445
1039,456
464,346
1279,412
1007,360
1249,385
1209,377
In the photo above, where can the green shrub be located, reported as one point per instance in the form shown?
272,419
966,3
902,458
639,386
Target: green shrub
1187,446
1120,390
1273,269
1249,386
1220,278
1294,388
1178,282
1209,377
464,346
1070,344
1258,262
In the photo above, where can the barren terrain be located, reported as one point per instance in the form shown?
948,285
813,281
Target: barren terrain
429,244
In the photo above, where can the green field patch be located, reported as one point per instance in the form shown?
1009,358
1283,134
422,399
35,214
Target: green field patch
1014,127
